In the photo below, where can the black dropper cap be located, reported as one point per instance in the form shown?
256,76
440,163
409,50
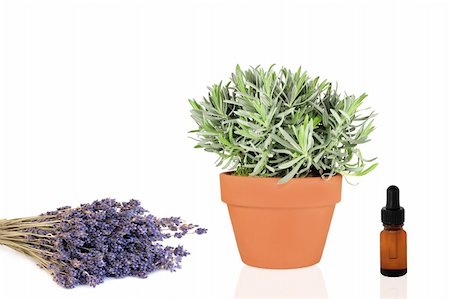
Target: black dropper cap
393,213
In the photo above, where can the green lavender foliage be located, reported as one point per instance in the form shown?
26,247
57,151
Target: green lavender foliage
283,124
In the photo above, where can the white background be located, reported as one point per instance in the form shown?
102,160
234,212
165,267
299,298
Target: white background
93,104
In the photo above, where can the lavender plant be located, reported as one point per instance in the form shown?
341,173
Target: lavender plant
283,124
85,245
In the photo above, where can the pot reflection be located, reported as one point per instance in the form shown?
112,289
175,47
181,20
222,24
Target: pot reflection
292,283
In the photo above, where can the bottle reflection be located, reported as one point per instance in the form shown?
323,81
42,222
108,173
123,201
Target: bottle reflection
292,283
393,287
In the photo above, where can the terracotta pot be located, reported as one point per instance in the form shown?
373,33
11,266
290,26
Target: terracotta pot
280,226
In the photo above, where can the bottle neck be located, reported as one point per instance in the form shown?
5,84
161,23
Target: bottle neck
393,226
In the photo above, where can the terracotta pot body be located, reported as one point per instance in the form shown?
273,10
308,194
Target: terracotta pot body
280,226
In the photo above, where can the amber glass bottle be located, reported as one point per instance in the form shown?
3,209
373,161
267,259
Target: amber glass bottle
393,237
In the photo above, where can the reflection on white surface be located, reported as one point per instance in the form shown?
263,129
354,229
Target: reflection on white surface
293,283
393,287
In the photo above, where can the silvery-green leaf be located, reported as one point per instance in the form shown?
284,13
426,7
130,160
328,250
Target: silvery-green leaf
291,174
290,139
260,165
283,142
290,163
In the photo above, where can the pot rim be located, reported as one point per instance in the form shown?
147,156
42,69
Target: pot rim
265,192
229,173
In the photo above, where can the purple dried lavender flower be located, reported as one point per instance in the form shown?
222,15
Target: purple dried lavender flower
85,245
201,231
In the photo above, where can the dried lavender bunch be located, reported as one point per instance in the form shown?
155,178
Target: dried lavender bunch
84,245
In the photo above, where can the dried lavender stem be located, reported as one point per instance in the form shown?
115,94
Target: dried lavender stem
48,224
